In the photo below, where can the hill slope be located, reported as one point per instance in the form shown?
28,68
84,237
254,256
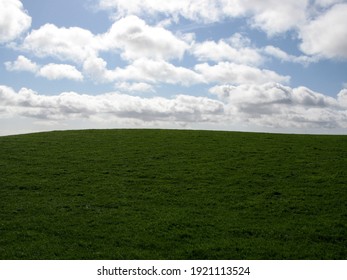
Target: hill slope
161,194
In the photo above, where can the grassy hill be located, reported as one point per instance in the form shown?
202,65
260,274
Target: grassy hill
166,194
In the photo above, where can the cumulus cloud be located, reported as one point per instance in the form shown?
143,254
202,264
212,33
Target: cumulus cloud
136,42
50,71
141,70
136,39
22,64
135,87
311,20
239,49
236,74
96,69
14,20
326,35
266,105
275,105
285,57
66,44
60,71
71,105
197,10
130,36
342,97
272,93
235,49
275,17
158,71
271,16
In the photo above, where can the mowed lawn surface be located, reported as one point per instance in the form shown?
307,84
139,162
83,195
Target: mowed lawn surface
166,194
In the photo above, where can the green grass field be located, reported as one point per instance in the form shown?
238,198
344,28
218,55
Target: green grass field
166,194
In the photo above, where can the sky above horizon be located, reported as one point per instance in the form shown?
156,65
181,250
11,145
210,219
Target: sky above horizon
243,65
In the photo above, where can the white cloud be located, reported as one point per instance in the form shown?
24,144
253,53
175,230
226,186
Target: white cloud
148,57
60,71
197,10
275,105
71,105
285,57
269,105
66,44
14,20
342,97
50,71
235,49
95,68
136,40
135,87
238,49
270,15
157,71
152,54
276,17
253,94
326,36
141,70
269,94
236,74
129,36
306,97
320,24
22,64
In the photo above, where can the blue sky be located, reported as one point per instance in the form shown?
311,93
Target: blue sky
197,64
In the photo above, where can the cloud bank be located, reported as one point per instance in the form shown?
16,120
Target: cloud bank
271,105
71,105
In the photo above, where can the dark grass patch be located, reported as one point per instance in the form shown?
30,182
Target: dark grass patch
161,194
